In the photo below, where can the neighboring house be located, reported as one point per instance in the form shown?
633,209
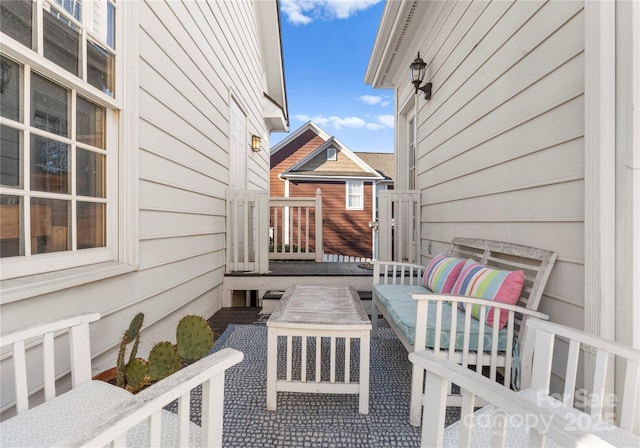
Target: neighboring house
123,126
310,159
531,136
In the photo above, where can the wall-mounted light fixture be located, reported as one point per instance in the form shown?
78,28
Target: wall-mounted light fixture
255,143
417,72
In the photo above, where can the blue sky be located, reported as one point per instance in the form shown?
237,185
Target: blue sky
326,47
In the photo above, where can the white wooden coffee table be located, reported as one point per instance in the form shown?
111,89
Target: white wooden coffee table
319,311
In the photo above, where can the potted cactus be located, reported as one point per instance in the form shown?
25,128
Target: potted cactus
194,339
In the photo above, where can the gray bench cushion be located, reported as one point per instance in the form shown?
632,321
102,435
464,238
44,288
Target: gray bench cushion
397,302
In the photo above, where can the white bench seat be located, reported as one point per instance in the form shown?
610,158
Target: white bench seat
52,423
95,413
397,302
517,432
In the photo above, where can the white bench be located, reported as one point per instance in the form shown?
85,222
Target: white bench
435,321
532,417
95,413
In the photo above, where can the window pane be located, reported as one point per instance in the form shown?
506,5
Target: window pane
15,20
11,235
61,41
10,89
49,165
91,225
10,171
49,106
49,225
90,123
111,25
90,174
100,68
73,7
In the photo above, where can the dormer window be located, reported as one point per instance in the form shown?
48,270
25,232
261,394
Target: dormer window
332,154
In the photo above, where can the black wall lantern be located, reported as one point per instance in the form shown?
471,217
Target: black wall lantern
417,72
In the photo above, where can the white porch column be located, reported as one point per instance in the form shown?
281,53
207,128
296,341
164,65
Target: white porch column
600,154
600,147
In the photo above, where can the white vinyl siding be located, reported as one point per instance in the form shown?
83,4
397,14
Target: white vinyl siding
188,60
501,142
355,195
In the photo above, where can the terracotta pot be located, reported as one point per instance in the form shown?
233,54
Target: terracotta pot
108,376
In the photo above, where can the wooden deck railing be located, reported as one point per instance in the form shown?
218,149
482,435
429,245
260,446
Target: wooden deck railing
260,229
295,229
399,226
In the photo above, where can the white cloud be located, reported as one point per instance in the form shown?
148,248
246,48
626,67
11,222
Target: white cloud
383,121
347,122
387,120
373,100
370,99
374,126
303,12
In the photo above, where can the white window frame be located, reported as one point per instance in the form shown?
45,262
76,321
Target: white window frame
352,195
332,154
32,60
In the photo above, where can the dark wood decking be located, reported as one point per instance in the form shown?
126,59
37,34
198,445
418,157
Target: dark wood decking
236,315
310,268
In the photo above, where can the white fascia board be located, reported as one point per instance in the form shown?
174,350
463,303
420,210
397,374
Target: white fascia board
297,133
398,36
270,38
330,142
382,43
343,149
274,116
324,178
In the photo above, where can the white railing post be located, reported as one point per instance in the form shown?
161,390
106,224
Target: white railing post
384,226
262,233
319,248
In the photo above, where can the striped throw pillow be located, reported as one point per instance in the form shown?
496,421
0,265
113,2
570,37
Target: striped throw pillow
478,280
441,273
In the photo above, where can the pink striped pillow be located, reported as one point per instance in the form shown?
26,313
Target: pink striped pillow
441,273
478,280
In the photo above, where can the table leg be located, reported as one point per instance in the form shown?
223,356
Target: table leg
272,368
364,373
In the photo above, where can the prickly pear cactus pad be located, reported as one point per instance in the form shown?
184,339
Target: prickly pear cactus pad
194,337
163,361
137,374
134,327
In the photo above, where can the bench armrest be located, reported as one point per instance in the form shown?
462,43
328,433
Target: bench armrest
79,354
515,316
542,423
397,273
148,404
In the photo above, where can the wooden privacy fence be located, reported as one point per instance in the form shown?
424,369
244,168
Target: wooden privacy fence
260,229
399,226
